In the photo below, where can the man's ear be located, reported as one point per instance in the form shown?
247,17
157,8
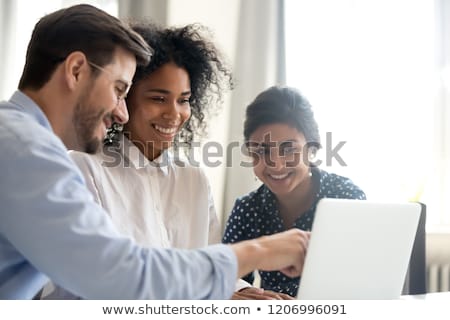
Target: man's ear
76,69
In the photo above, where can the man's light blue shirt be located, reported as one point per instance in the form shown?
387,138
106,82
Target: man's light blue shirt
50,227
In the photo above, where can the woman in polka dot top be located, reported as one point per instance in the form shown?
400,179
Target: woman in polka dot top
282,138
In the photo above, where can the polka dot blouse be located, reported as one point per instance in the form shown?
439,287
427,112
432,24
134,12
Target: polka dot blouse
256,214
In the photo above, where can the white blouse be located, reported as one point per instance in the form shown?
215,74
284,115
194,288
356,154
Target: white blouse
162,203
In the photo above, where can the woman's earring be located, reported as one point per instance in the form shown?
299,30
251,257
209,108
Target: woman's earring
256,178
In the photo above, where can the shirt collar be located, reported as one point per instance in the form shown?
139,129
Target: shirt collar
139,160
21,101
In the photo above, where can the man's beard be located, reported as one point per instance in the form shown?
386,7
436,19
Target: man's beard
85,124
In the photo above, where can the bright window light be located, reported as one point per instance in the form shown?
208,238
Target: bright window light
369,69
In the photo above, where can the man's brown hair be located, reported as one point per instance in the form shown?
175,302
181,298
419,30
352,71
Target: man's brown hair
78,28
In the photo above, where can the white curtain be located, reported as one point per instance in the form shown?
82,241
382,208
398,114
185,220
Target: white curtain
259,63
155,10
442,115
8,18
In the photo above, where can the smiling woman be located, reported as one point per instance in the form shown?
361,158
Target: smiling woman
159,107
283,136
154,197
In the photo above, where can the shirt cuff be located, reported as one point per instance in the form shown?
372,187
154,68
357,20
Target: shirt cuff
225,264
241,284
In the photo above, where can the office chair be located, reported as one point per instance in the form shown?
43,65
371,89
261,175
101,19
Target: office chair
415,281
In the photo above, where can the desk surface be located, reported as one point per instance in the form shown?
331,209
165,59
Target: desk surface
435,296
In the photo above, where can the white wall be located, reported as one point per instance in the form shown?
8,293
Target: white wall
18,18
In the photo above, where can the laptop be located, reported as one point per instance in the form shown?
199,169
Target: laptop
359,250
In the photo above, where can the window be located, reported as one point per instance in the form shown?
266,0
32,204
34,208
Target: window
18,20
373,74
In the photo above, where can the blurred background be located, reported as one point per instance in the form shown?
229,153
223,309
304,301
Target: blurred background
376,72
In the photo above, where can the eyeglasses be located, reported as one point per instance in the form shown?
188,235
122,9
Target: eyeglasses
284,149
122,89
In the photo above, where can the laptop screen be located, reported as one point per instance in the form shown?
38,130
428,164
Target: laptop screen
359,250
